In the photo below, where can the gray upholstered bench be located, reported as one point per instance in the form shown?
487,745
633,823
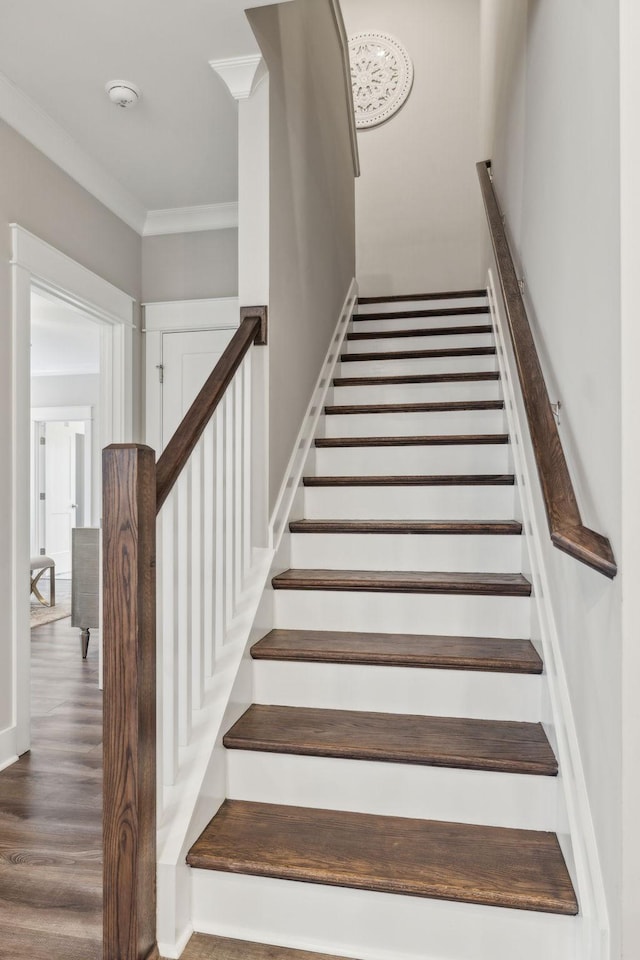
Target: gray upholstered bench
40,565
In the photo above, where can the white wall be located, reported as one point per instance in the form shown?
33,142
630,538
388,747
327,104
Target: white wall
190,266
551,124
418,213
312,238
66,391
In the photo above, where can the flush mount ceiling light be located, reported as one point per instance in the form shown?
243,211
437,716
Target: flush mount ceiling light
123,93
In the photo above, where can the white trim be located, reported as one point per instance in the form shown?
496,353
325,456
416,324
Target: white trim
238,73
583,854
8,749
207,216
36,126
291,483
343,41
180,315
68,280
36,264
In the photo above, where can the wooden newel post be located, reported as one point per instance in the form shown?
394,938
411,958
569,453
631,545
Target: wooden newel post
129,612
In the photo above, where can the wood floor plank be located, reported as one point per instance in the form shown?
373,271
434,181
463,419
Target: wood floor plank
437,480
400,650
496,745
203,947
50,811
433,527
522,869
405,581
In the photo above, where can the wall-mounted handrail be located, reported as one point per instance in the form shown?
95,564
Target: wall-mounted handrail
566,528
204,463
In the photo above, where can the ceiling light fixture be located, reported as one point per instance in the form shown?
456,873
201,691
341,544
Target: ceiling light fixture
123,93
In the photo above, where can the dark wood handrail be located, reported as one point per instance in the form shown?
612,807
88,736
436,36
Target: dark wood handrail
252,329
567,530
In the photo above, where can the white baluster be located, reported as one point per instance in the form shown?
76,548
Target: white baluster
197,577
246,469
167,641
238,397
219,528
209,535
229,481
184,606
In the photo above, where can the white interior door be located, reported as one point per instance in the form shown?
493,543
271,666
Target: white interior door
60,492
187,360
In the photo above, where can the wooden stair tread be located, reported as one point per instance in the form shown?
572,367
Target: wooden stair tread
496,745
460,330
438,440
436,480
400,650
447,295
414,314
483,527
404,581
464,377
522,869
440,352
446,406
205,947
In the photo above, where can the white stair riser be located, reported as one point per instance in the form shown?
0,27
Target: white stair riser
417,392
420,323
397,306
413,366
353,551
468,458
382,689
521,801
446,614
436,342
413,424
409,503
372,926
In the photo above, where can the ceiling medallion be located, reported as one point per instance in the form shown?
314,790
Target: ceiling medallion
381,74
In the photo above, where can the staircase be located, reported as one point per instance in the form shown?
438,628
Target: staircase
391,793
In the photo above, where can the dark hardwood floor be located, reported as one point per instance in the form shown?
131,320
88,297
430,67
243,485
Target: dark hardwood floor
50,810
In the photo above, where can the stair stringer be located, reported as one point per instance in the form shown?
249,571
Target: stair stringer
575,825
187,809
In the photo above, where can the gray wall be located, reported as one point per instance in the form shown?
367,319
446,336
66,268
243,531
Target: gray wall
551,123
418,213
312,241
190,266
41,198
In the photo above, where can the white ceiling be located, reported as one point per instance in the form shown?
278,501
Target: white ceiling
178,146
64,341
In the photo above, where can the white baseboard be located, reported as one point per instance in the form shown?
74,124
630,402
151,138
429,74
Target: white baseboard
8,747
581,850
293,474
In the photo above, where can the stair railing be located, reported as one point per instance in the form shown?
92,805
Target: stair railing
568,533
196,505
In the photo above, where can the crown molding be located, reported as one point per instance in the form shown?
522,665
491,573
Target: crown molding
36,126
209,216
239,74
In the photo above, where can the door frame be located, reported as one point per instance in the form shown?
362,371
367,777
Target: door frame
37,265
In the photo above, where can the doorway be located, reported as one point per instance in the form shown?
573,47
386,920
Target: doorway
40,270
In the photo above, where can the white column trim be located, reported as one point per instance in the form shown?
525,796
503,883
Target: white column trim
238,73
